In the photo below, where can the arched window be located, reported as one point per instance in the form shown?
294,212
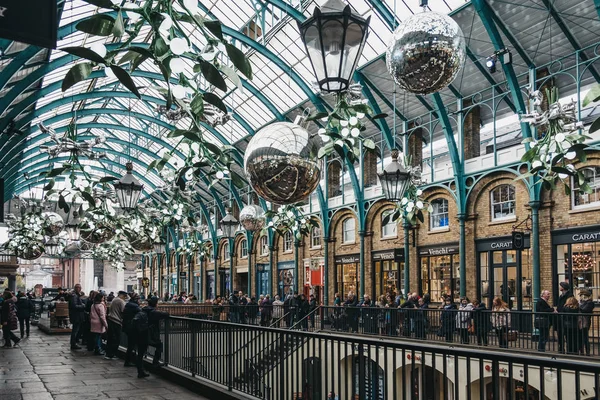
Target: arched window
264,246
226,254
243,248
438,218
315,237
592,178
287,241
502,200
390,229
348,231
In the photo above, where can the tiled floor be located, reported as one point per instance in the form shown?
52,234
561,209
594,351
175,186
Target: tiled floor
43,367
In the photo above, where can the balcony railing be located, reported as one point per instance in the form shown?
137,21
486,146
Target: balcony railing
277,364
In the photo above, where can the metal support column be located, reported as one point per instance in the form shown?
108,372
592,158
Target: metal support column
296,262
250,247
406,225
159,266
535,249
326,271
462,254
363,278
270,273
230,266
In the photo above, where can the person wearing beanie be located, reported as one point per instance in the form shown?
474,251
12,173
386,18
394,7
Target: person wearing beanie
565,292
154,317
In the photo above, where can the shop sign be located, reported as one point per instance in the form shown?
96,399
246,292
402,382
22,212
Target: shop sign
145,282
182,275
577,235
439,251
18,22
348,259
196,273
395,255
262,267
499,243
314,264
285,265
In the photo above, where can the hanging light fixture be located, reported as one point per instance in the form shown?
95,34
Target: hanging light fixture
394,179
334,40
128,189
52,246
159,246
229,224
72,228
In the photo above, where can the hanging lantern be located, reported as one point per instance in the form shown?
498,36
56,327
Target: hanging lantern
334,40
53,246
252,218
159,246
394,179
128,190
72,228
229,224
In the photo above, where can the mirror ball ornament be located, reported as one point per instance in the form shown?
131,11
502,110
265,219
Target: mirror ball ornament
54,224
252,218
426,53
281,163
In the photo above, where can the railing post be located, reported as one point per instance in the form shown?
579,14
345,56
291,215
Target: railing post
193,347
230,356
167,335
282,366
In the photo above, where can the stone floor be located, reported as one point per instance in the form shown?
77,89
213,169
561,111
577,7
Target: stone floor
43,367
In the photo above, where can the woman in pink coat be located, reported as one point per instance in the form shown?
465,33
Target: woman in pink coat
98,323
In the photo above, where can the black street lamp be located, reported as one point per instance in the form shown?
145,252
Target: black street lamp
52,247
395,179
159,246
128,189
229,224
72,228
334,40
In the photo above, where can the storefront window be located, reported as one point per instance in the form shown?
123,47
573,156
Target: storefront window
386,277
286,282
438,218
503,202
438,277
346,279
592,178
484,271
578,263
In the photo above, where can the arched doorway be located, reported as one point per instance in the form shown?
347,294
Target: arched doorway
368,379
423,383
508,389
311,379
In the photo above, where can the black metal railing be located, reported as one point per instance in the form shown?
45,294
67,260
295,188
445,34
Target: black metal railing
296,364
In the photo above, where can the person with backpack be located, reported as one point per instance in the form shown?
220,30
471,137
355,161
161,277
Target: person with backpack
24,309
8,316
135,325
154,317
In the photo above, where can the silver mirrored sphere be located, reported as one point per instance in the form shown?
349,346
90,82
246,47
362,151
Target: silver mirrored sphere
252,218
54,224
426,53
281,163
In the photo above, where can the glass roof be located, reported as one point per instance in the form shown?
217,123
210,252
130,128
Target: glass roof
277,56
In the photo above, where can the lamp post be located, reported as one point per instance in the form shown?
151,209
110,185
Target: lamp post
395,179
128,189
228,226
159,249
334,40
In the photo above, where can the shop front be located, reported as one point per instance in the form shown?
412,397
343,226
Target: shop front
224,282
387,272
241,281
504,272
262,279
286,279
173,284
440,271
576,259
197,288
314,269
210,285
346,275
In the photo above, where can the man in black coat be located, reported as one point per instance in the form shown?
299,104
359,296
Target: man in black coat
541,321
154,317
24,309
76,315
565,293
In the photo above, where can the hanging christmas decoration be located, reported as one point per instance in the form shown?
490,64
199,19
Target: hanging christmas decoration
290,218
281,163
426,52
53,225
252,217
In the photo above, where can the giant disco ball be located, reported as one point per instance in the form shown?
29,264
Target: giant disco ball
252,218
281,163
426,53
54,224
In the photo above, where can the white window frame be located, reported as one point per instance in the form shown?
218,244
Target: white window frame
226,255
264,246
244,248
594,184
503,203
315,236
287,242
347,231
391,224
433,214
